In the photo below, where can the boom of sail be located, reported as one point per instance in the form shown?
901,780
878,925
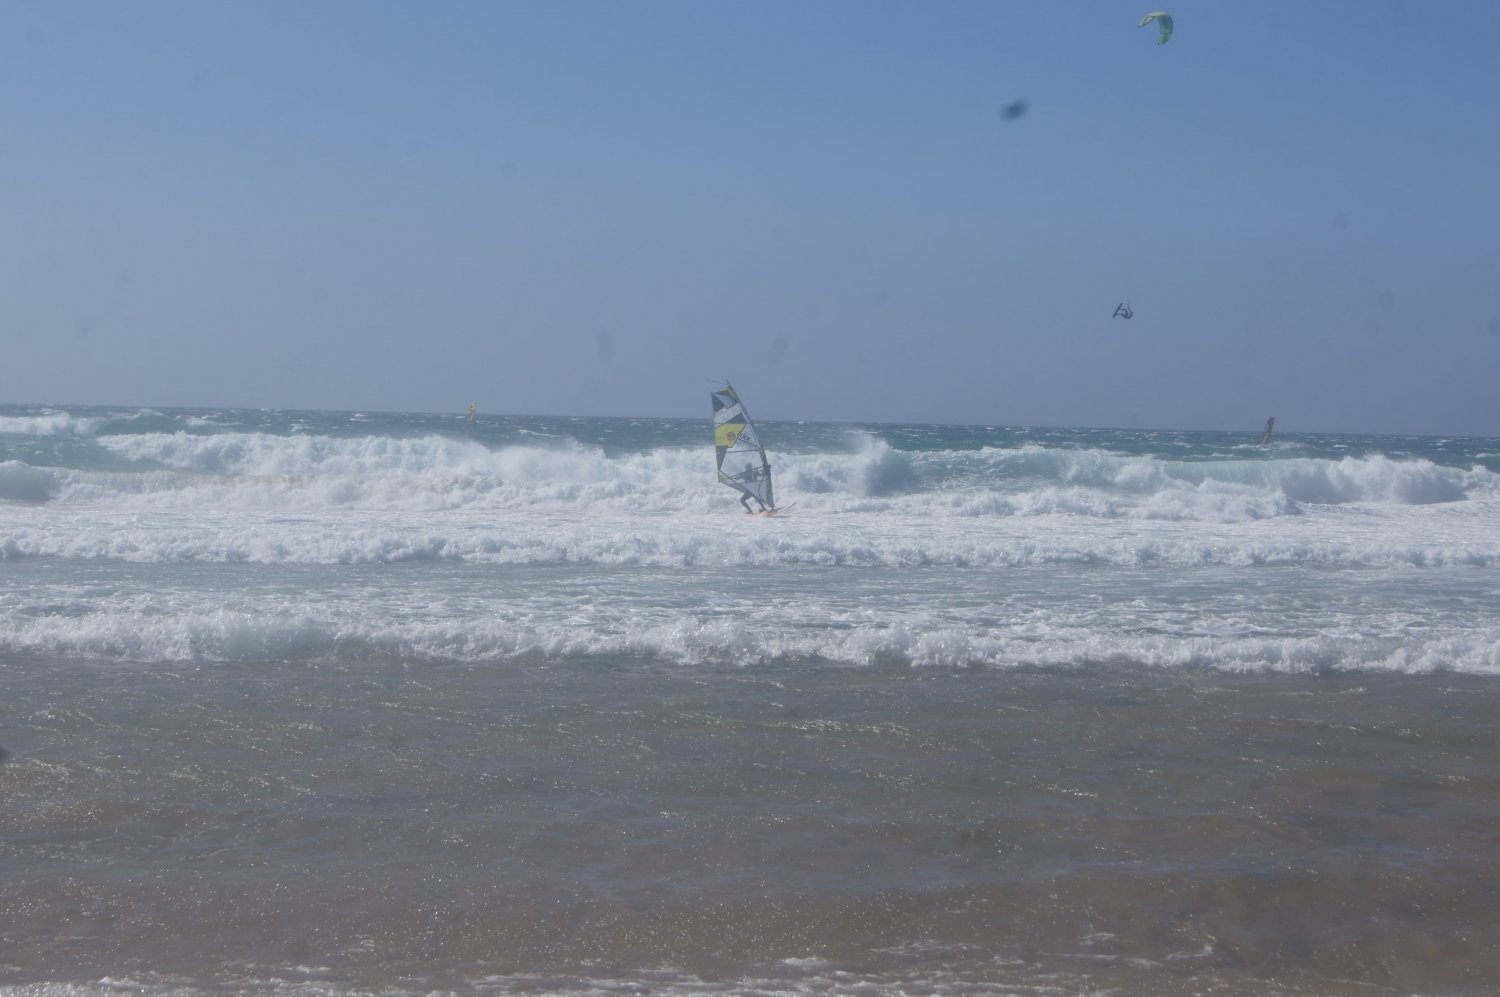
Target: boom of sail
742,459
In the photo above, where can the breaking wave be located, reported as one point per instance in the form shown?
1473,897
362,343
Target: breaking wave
260,470
207,634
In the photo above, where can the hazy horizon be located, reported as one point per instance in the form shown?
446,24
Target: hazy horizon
1282,429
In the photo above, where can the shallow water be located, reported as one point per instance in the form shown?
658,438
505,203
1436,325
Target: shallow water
373,825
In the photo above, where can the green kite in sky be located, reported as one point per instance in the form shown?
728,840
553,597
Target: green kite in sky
1163,21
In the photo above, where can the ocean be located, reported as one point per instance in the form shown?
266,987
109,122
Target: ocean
369,703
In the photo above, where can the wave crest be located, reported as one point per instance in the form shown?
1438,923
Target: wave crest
21,482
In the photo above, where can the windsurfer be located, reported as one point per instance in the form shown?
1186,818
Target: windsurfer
751,474
736,440
1122,311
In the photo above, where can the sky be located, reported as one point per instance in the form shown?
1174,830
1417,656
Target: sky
856,210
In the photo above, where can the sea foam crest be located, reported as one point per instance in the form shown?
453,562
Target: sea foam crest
872,469
1373,478
259,454
247,634
433,472
1378,478
378,472
1034,481
50,423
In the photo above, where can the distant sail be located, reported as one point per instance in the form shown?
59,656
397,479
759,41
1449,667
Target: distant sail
741,457
473,407
1265,434
1163,24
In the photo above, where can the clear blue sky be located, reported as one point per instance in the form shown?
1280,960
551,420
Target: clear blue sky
591,207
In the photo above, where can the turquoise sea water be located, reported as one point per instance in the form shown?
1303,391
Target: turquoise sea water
345,702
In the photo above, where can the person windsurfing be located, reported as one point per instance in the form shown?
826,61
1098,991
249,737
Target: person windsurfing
736,441
473,407
751,474
1121,311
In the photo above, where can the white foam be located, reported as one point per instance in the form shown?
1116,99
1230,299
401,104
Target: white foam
663,616
423,474
976,524
583,510
49,423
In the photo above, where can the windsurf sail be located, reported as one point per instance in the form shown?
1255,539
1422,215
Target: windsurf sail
473,407
742,459
1265,434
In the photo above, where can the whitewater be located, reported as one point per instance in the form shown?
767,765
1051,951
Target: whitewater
340,702
508,519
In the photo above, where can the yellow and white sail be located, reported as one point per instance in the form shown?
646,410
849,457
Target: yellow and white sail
742,459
